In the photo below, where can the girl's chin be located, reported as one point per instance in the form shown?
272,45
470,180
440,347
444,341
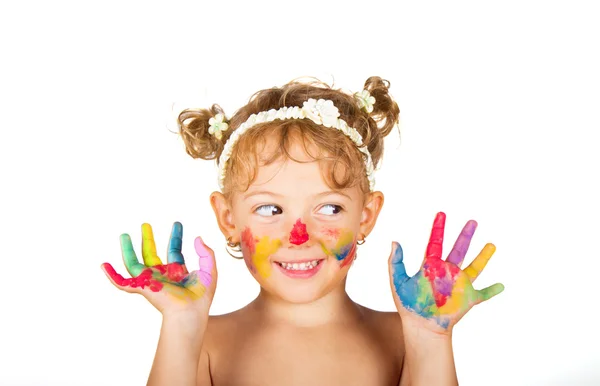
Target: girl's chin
298,296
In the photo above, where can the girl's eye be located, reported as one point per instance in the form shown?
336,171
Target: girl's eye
268,210
330,209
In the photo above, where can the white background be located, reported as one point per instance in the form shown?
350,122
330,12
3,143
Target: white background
499,119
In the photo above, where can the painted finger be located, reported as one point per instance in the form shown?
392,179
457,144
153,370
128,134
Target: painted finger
489,292
174,254
132,264
434,248
479,263
134,284
149,247
203,279
207,269
117,280
397,268
461,246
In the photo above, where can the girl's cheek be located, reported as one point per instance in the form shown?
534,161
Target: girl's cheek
256,251
248,248
339,243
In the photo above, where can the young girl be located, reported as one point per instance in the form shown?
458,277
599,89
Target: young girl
297,199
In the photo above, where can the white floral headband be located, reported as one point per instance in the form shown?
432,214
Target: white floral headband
322,112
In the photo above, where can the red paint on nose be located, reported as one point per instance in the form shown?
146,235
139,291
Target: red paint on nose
298,235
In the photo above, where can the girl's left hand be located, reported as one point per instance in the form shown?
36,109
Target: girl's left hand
440,294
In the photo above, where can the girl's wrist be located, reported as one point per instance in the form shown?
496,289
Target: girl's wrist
189,323
418,330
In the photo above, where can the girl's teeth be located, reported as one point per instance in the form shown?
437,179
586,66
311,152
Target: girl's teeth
300,266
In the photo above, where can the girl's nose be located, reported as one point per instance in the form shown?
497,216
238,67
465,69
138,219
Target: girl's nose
298,235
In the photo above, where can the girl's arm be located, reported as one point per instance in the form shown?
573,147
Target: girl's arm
179,353
183,298
428,358
432,301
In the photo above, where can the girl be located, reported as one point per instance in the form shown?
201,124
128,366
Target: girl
296,171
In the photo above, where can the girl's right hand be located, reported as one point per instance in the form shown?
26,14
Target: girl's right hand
169,287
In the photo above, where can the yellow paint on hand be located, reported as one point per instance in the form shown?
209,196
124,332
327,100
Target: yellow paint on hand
479,263
149,247
457,301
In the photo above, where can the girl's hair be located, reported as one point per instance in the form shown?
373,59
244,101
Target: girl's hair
344,163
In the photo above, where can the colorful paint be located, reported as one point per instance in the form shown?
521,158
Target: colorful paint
298,235
441,291
345,247
333,233
256,252
172,277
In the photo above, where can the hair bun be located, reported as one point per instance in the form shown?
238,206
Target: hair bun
385,110
193,127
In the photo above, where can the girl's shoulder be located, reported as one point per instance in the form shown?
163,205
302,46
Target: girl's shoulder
385,321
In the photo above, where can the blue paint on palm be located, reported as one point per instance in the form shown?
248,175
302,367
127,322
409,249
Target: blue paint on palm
414,292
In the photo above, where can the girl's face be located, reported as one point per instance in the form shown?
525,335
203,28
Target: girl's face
298,236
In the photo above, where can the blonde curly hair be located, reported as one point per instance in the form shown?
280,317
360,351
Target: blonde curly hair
342,163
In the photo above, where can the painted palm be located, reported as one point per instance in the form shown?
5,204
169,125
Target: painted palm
441,292
164,284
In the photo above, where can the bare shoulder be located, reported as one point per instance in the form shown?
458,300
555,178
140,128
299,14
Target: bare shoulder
223,328
386,317
387,325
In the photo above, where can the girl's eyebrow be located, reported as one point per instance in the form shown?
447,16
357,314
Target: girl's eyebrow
269,193
264,192
330,192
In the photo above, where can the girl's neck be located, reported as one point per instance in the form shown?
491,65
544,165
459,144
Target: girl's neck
335,307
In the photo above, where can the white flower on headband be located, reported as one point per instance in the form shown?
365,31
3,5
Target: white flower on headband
217,126
365,100
321,112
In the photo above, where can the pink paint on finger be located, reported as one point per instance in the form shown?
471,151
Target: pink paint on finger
205,262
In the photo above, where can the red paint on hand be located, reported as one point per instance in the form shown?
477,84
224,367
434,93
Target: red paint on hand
143,280
441,276
299,235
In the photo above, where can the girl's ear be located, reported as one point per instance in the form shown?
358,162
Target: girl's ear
370,212
224,215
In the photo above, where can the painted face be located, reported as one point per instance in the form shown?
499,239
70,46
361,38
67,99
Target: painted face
256,252
344,249
294,228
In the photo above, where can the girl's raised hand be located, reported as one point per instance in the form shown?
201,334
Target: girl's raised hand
169,287
440,294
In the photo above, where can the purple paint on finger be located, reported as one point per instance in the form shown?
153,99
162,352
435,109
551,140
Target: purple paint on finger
459,251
